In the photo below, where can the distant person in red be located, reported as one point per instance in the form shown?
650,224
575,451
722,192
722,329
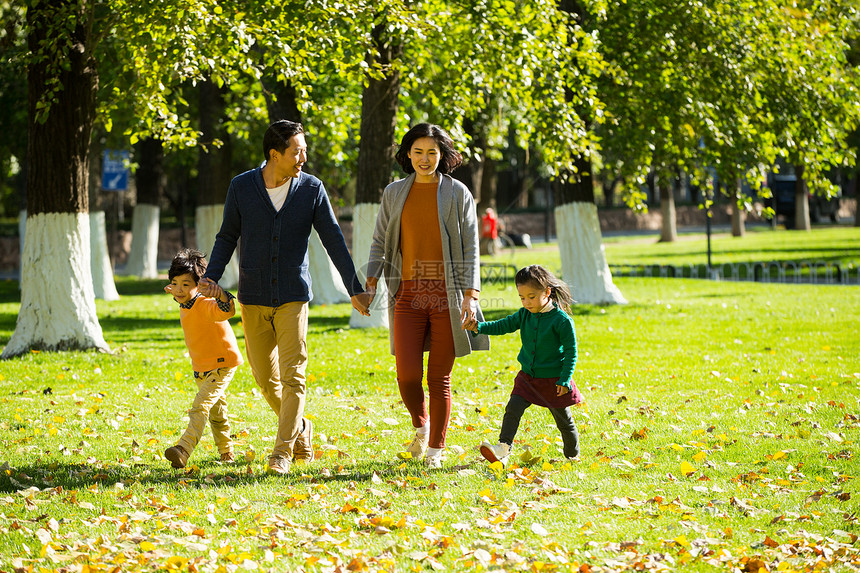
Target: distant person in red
489,232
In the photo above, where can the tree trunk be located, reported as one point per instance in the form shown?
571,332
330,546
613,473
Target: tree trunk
101,265
488,185
801,202
22,233
58,309
583,259
281,102
471,172
149,183
857,199
380,99
609,191
580,243
669,229
104,286
739,214
214,167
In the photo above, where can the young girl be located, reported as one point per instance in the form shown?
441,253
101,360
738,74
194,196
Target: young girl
547,358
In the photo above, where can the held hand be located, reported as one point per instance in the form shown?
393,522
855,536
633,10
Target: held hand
169,289
370,290
361,303
470,325
468,311
562,390
208,288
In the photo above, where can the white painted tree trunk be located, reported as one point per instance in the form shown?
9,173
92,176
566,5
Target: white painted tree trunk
22,229
143,257
328,287
363,223
583,259
58,310
103,283
207,223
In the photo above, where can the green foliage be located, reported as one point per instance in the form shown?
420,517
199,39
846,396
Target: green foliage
635,84
726,87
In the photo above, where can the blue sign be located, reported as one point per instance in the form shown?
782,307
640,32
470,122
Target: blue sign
115,170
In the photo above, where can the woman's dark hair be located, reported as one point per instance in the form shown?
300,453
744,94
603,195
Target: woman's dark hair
451,158
278,136
188,261
538,277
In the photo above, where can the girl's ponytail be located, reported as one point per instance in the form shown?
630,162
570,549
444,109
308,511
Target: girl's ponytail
560,295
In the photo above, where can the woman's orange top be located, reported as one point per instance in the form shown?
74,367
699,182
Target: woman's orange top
420,237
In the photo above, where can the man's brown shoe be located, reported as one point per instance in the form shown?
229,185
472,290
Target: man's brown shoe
228,457
278,465
303,450
177,456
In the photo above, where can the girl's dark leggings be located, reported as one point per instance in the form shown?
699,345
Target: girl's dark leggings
563,420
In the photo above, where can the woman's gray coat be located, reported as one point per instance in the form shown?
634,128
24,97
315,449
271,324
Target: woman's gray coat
458,223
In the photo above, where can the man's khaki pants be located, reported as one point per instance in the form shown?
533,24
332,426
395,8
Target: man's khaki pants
210,404
276,344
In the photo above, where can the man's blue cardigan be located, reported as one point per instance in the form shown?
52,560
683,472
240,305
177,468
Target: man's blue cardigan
273,251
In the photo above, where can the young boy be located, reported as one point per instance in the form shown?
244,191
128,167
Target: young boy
213,350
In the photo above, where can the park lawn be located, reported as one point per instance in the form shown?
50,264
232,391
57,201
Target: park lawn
827,244
719,433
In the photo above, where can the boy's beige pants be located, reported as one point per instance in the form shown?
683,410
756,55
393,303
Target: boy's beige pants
210,403
276,344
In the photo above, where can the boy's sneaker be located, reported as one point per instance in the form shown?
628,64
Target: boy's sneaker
495,452
177,456
418,446
303,449
228,457
278,465
433,459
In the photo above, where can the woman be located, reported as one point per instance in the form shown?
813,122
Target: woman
426,243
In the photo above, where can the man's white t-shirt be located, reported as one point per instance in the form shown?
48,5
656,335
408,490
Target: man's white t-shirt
279,194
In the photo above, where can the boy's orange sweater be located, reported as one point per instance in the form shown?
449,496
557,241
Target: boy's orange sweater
209,337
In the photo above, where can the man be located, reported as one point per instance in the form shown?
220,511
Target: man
272,210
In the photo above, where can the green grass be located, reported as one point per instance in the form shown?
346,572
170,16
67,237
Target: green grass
834,244
828,244
720,433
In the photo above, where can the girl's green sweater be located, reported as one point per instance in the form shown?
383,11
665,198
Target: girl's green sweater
548,342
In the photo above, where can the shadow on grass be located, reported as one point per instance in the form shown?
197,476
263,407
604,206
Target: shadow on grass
125,286
124,324
9,292
130,286
208,472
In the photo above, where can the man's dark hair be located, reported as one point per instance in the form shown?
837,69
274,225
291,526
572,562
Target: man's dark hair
451,158
188,261
278,136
